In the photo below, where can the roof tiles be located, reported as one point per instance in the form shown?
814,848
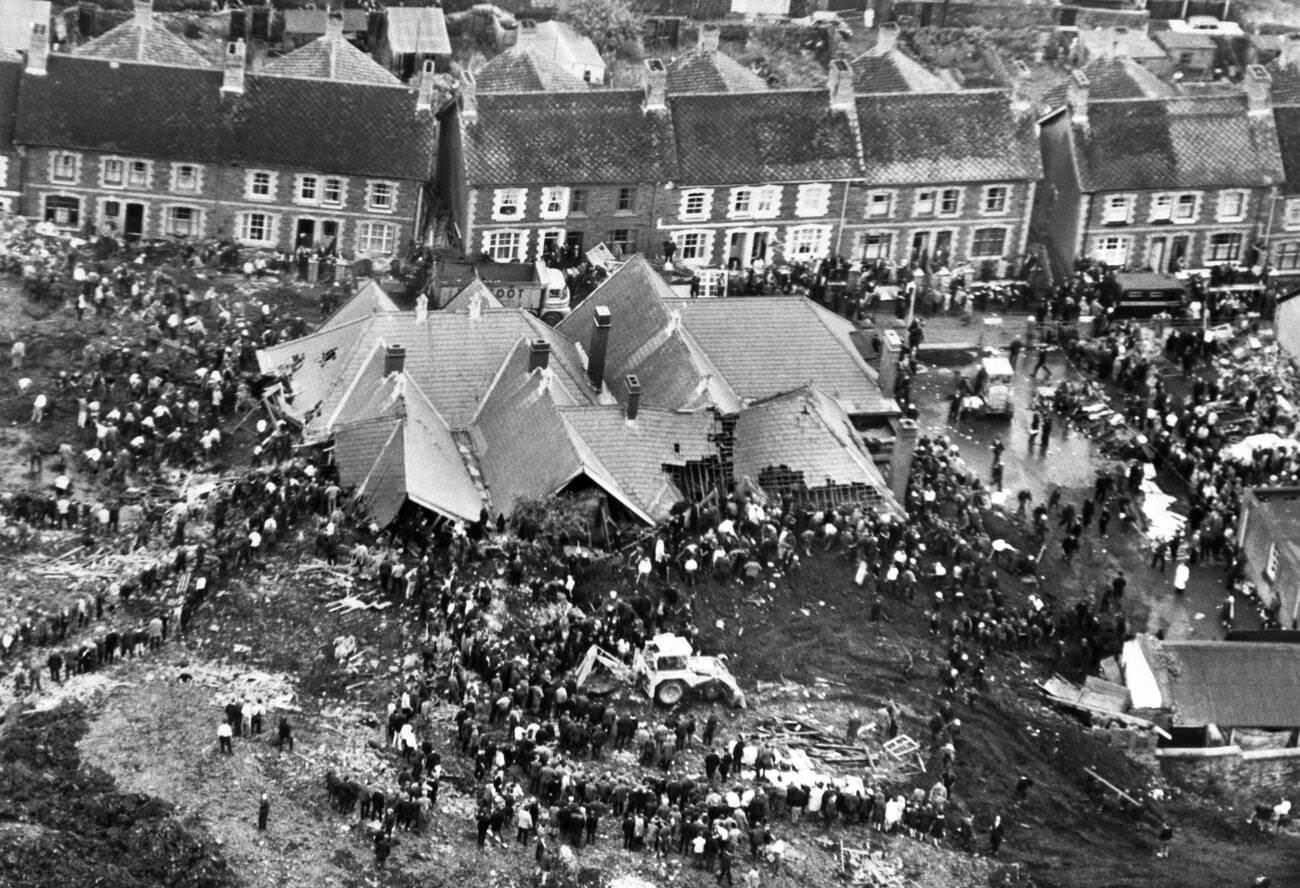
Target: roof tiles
1235,684
710,71
133,41
520,69
330,58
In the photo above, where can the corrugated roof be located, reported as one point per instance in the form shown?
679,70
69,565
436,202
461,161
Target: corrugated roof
1179,142
142,110
133,41
419,30
711,71
519,69
330,57
807,433
313,21
588,136
772,136
764,346
1235,684
930,138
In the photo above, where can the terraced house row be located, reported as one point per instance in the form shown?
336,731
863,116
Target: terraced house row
140,133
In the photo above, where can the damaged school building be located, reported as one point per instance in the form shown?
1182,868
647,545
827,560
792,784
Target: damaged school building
639,397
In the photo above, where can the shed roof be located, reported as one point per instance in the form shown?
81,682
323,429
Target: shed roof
1235,684
418,30
927,138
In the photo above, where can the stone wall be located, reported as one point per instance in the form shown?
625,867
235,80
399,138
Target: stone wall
1229,771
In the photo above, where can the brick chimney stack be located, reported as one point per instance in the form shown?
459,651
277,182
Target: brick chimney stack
599,346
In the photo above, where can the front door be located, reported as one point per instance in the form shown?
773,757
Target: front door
1157,253
329,235
305,236
1178,253
921,249
133,221
942,255
758,246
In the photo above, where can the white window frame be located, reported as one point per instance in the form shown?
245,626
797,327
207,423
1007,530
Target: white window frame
995,200
1208,255
1186,199
1162,208
368,230
816,237
4,178
766,203
1291,214
144,168
702,198
958,196
503,198
116,164
302,183
251,180
740,204
630,190
176,173
1099,251
812,201
925,201
880,204
1117,209
543,234
336,184
81,208
884,250
376,187
74,158
997,255
1227,194
516,253
694,245
554,202
165,220
243,225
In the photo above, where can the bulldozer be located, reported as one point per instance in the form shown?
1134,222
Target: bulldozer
666,670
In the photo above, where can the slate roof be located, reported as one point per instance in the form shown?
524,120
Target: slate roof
11,73
647,339
132,41
1235,684
527,450
519,69
474,289
894,71
773,136
1286,82
764,346
85,103
930,138
1113,78
419,30
710,71
453,358
1178,142
808,433
330,57
592,136
420,458
370,299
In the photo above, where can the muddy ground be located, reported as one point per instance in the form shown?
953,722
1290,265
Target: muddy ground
122,781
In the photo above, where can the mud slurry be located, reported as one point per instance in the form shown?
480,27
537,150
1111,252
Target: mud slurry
65,823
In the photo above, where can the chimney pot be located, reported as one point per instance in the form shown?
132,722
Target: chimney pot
468,98
526,33
656,85
1076,96
38,48
394,359
539,355
710,38
886,37
599,346
333,24
144,13
232,75
1258,85
424,87
633,396
1291,51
